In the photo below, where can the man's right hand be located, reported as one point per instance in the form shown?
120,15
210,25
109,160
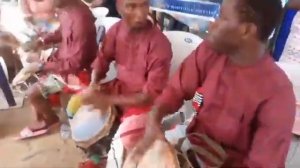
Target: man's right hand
153,132
96,98
94,86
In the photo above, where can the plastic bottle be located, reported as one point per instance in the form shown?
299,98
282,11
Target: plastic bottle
65,131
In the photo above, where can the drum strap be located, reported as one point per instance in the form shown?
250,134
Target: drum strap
208,151
185,161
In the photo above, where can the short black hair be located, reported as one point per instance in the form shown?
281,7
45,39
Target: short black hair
265,14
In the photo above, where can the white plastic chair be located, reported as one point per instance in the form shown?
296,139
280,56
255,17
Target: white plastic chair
3,64
111,74
100,12
183,43
107,22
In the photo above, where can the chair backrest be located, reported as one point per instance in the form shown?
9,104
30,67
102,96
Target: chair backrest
183,43
111,74
107,22
4,67
100,12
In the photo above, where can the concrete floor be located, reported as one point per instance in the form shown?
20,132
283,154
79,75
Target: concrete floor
48,152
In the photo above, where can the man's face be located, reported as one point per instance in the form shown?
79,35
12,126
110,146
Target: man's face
225,34
135,12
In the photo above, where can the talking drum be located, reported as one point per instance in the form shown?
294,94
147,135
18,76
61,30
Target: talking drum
89,125
161,154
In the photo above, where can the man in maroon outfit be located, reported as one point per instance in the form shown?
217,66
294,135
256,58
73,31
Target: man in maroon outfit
244,103
142,55
77,49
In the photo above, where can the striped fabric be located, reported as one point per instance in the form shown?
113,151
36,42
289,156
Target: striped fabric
210,152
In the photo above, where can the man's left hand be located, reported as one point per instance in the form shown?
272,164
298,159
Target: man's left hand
153,132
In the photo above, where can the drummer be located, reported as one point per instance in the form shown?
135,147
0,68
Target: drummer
142,55
245,105
77,50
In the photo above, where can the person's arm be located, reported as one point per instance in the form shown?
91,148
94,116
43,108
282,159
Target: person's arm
79,39
183,84
272,135
105,56
182,87
51,38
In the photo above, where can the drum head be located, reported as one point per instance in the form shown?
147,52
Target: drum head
90,125
161,154
87,123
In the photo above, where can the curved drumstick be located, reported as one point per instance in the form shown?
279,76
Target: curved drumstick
87,4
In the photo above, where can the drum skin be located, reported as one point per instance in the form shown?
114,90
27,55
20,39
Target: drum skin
90,125
161,154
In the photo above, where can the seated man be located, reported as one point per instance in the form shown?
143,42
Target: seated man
77,50
142,55
244,103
